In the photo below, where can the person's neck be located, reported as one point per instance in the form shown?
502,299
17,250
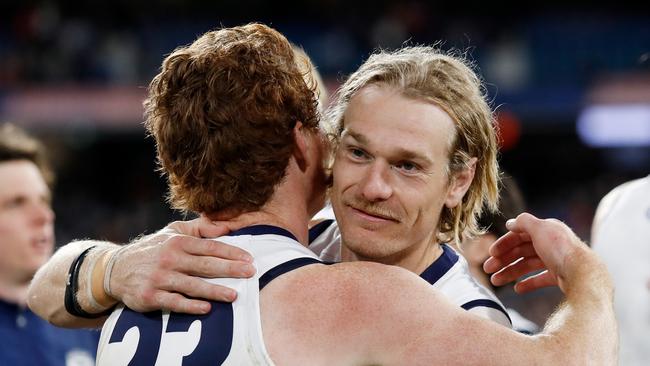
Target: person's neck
287,209
269,216
14,291
416,258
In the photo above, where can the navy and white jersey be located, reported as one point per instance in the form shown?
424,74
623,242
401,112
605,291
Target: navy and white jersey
231,334
449,273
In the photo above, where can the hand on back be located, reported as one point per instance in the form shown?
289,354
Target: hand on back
162,270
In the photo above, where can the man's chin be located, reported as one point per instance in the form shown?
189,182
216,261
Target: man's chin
366,245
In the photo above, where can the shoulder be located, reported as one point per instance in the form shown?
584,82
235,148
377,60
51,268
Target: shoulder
346,283
608,202
355,313
631,190
357,302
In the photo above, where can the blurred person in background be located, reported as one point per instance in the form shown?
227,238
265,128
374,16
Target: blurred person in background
621,236
476,250
26,243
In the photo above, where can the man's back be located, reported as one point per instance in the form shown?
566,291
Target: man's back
229,334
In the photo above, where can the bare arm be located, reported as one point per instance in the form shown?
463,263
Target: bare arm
398,320
147,275
583,330
46,292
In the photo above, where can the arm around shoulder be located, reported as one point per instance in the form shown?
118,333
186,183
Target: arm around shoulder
414,324
366,313
375,314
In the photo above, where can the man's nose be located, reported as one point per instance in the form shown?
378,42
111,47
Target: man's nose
375,185
42,213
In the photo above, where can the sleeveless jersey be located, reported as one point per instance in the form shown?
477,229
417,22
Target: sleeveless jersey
622,240
230,334
449,273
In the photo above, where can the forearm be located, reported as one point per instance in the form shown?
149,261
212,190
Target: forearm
47,290
583,330
585,325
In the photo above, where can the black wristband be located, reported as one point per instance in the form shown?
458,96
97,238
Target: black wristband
72,286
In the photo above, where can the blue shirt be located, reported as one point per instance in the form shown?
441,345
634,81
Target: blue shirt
26,339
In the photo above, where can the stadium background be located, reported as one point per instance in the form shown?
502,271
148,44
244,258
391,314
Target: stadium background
74,73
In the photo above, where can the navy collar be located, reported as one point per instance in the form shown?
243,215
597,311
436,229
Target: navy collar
316,230
263,229
441,265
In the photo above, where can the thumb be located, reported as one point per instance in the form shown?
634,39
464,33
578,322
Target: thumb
524,223
200,227
207,228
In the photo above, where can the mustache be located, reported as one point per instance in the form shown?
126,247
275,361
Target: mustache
372,208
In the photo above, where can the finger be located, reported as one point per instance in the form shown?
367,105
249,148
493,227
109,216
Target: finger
203,257
213,267
494,264
524,236
206,228
524,223
543,279
200,227
181,304
183,227
507,242
197,288
231,225
517,270
217,249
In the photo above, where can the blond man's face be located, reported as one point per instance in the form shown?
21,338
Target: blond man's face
389,177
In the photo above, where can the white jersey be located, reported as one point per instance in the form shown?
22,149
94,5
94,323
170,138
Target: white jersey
231,334
621,237
449,273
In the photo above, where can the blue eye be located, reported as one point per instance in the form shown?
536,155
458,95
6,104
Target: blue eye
407,167
357,153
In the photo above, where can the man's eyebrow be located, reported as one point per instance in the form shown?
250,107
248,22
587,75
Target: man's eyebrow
403,153
407,154
357,136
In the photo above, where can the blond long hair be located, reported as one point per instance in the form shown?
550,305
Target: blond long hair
448,81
